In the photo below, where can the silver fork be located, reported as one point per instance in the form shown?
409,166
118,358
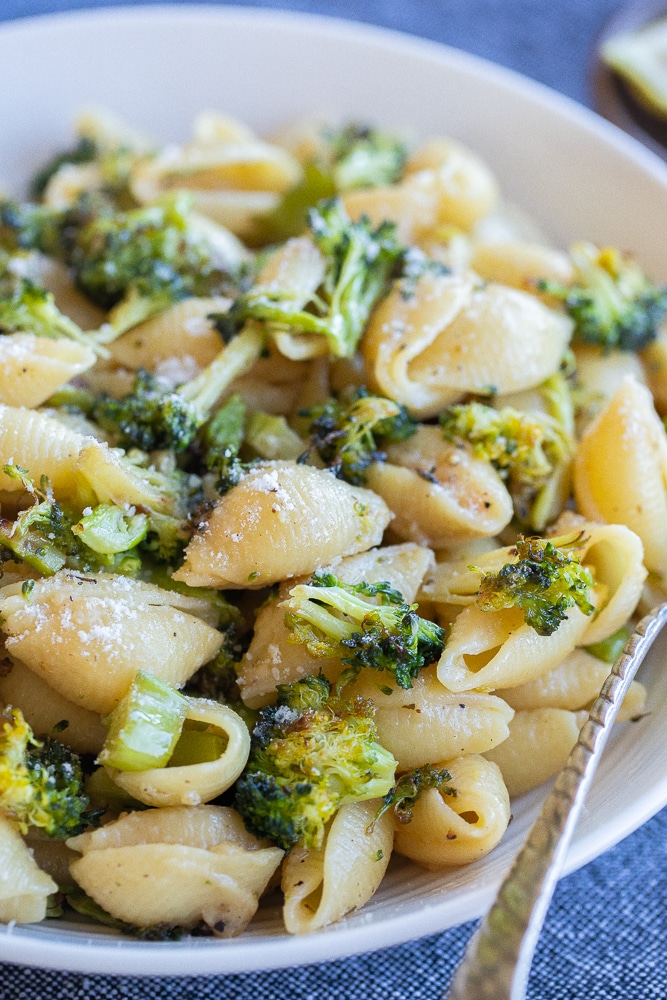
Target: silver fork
497,961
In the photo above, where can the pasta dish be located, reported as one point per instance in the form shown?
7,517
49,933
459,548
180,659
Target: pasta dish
329,489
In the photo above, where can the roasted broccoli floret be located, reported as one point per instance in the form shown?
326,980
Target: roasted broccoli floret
150,256
153,416
544,582
108,173
105,537
346,435
151,250
310,754
27,308
41,782
30,226
365,624
528,449
611,300
409,786
353,156
360,263
362,156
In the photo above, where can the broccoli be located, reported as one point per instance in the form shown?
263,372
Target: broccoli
611,300
27,308
543,582
362,156
360,263
344,435
48,538
528,449
85,151
350,157
365,624
110,175
151,250
148,256
409,786
310,754
41,782
29,226
290,216
155,417
221,440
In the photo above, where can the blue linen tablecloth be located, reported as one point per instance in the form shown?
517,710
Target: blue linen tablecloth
606,934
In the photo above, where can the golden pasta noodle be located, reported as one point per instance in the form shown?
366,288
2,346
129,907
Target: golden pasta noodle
87,635
460,828
440,494
620,470
200,865
323,886
427,722
24,889
282,520
537,748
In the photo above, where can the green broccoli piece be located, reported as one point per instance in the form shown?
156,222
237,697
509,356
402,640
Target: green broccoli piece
30,226
149,256
611,300
529,450
110,178
85,151
362,156
360,264
608,650
365,624
151,250
41,782
345,435
48,538
544,582
221,440
310,754
409,786
27,308
353,156
155,417
290,216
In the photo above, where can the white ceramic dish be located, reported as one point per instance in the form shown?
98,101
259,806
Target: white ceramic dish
575,173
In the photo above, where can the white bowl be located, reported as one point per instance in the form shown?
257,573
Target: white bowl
575,173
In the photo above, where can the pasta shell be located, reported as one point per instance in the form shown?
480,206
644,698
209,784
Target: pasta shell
537,748
438,493
282,520
457,829
88,635
24,889
322,886
427,722
454,336
620,470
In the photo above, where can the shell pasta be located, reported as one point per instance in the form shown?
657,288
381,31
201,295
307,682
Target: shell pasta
323,513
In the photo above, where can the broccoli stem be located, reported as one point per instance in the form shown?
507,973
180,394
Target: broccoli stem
145,727
236,358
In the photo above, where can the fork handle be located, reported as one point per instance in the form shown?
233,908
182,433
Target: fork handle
497,961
